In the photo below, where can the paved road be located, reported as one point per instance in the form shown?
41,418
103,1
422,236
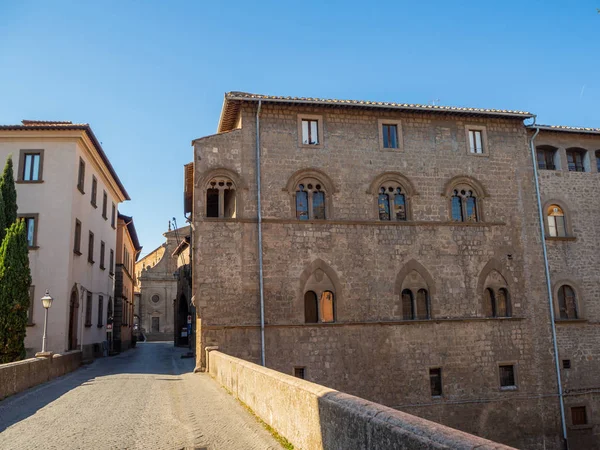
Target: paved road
145,398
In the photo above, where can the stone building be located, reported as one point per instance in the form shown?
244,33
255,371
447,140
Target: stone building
128,249
157,275
569,178
68,192
400,260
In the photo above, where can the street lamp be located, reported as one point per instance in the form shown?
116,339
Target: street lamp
46,303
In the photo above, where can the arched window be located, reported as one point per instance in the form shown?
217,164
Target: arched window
503,304
464,205
221,198
567,302
422,304
489,303
392,202
408,311
496,299
310,307
556,221
326,307
310,199
576,159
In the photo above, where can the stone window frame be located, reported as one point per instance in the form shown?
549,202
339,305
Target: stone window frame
102,254
104,205
482,285
403,182
100,318
304,288
545,148
36,225
81,176
400,286
113,216
399,134
89,308
585,159
77,237
91,245
21,170
323,179
319,119
579,304
579,404
221,172
568,219
514,387
440,368
484,140
464,181
94,193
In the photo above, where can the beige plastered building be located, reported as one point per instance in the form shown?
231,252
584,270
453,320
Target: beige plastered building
68,192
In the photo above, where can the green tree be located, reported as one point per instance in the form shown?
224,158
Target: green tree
9,196
15,279
2,219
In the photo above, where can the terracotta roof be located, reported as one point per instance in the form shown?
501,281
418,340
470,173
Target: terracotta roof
132,232
28,125
566,129
232,103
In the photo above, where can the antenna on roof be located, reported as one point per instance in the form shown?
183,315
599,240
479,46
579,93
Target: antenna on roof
435,102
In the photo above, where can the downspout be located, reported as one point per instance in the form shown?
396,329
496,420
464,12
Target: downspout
548,284
260,246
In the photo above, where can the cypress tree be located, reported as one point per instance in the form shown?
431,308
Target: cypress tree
2,219
9,193
15,279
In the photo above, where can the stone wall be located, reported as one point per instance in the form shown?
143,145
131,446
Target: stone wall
315,417
369,350
21,375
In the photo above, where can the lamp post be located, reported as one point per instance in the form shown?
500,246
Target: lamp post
46,303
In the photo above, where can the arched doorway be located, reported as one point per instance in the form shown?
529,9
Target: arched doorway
73,315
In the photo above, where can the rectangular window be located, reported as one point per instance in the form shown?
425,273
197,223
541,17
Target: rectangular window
30,228
476,141
507,375
435,381
102,251
545,159
91,248
104,205
94,191
31,303
111,262
31,166
113,215
566,363
575,160
390,136
81,176
77,243
578,415
88,310
299,372
100,311
310,132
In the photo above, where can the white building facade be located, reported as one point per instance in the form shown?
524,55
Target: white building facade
69,193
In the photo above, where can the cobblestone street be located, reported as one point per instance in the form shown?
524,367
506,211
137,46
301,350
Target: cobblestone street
145,398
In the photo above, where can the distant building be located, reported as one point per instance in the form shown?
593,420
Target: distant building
128,249
157,275
68,192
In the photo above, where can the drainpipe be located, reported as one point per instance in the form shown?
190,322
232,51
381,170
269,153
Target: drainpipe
260,246
548,284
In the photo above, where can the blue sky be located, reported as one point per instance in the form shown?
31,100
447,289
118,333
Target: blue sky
149,76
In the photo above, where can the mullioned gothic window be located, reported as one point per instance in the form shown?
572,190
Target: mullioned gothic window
221,198
310,199
319,298
414,297
464,205
391,202
496,299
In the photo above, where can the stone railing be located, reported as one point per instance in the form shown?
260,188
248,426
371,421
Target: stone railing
311,416
17,376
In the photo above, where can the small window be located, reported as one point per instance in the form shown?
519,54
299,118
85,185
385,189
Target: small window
94,191
31,166
566,363
113,216
575,158
88,310
476,141
31,303
464,206
81,176
435,381
567,302
392,203
408,312
100,311
310,200
31,229
91,248
102,252
507,375
299,372
111,262
310,132
77,242
578,415
545,158
155,299
489,303
390,135
311,314
422,304
556,221
104,205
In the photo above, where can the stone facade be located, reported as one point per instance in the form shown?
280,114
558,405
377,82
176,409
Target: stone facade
157,279
365,264
574,260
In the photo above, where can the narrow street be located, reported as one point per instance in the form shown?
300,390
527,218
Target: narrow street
145,398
